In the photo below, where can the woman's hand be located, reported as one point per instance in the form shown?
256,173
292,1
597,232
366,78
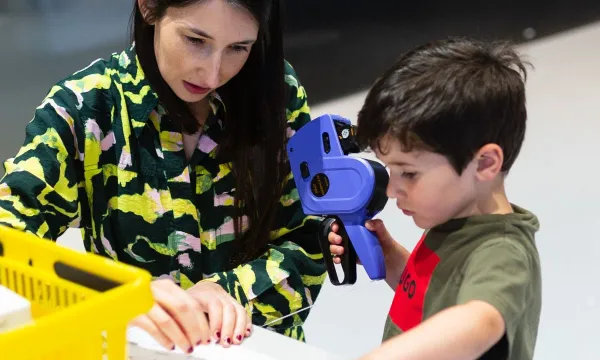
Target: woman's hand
229,321
175,319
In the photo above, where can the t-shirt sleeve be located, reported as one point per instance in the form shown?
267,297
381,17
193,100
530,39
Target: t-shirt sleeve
501,274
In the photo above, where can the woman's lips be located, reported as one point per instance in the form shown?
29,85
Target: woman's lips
195,89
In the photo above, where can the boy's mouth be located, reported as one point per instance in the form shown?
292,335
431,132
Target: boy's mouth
407,213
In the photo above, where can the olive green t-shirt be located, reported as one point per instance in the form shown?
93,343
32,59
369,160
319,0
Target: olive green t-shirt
492,258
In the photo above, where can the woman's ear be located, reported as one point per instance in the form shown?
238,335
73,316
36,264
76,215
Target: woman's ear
144,6
489,162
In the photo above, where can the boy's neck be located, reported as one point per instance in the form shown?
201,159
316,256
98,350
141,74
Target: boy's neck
491,201
496,203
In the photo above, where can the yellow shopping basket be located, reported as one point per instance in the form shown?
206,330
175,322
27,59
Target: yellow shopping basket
81,303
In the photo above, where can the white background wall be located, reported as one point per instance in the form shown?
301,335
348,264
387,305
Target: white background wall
556,177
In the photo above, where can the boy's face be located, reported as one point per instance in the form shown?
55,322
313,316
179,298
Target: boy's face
426,186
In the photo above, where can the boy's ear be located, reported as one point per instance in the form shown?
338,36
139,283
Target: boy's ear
489,162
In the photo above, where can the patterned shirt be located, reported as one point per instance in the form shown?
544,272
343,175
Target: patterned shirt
101,154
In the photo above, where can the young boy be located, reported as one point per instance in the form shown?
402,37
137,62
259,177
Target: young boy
448,120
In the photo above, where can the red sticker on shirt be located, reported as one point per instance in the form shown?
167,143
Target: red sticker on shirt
407,307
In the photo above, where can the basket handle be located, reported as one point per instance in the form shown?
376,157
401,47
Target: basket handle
84,278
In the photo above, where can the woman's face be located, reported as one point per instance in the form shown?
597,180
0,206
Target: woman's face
200,47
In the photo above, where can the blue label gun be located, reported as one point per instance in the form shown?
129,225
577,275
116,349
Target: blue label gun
347,190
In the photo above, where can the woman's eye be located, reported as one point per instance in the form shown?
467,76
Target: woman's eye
409,175
194,40
238,48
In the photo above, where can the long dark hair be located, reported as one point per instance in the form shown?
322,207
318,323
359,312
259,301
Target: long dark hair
255,120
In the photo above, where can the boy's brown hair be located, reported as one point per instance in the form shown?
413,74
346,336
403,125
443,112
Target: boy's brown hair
450,97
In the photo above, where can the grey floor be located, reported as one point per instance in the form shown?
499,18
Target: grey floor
556,175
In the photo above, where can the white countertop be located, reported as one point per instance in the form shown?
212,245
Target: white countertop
263,344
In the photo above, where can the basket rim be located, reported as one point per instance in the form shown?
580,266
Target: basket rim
12,239
104,310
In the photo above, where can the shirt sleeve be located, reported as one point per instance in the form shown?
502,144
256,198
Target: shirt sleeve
289,276
40,190
500,274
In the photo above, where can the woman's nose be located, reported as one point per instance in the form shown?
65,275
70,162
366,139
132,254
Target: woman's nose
212,71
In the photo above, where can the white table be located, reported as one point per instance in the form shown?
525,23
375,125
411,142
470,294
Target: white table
261,345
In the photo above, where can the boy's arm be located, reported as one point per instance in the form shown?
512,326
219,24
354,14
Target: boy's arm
460,332
396,256
495,291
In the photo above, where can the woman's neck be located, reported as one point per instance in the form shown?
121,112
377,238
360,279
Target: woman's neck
200,111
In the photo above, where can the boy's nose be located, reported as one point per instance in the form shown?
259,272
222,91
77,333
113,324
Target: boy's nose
395,192
390,191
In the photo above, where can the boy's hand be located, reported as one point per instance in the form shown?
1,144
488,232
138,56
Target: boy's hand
335,246
395,255
385,239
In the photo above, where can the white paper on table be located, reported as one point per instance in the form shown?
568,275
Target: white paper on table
263,344
142,346
15,310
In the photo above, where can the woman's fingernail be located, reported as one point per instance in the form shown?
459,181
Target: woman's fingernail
239,337
218,334
190,350
228,340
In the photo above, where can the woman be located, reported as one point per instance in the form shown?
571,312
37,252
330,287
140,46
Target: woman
170,157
